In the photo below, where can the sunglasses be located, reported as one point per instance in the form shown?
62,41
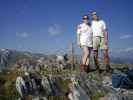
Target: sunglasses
93,15
85,18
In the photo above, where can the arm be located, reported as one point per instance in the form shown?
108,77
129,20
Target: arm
106,37
78,40
105,32
78,36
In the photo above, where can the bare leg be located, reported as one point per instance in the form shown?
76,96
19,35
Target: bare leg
106,57
85,58
107,61
96,58
88,59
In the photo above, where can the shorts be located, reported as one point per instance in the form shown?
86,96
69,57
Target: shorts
98,42
87,43
86,46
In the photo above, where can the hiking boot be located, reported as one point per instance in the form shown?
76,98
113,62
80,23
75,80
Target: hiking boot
82,68
87,68
97,67
100,70
109,69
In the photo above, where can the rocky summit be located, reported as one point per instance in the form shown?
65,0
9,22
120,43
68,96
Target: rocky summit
27,76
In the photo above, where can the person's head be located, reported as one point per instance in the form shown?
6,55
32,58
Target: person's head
94,15
85,19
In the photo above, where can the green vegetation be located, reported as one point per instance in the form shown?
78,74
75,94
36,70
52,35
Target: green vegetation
8,89
7,85
97,95
64,85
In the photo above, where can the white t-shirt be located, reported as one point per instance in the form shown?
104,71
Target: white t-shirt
86,35
98,28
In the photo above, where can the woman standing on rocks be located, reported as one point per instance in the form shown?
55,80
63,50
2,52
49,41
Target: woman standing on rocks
84,41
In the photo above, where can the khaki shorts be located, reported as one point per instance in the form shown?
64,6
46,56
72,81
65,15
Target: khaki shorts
98,42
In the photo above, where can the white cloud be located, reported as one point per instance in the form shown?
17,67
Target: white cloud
127,36
56,29
22,34
122,50
128,49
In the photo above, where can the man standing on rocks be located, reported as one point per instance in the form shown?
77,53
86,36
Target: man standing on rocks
100,41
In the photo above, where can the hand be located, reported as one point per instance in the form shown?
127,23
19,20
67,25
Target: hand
106,42
79,44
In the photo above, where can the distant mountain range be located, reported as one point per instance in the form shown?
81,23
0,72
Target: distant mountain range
122,57
120,60
9,57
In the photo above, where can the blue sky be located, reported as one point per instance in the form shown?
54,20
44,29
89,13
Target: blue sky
48,26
